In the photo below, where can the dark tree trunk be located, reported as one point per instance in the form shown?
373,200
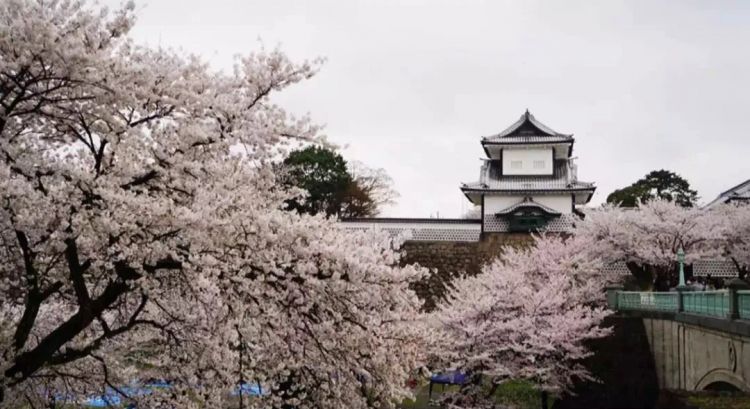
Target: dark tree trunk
545,398
656,278
643,275
741,269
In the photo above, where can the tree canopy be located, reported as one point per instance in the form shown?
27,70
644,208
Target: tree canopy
531,313
646,239
332,186
322,174
137,242
528,315
658,184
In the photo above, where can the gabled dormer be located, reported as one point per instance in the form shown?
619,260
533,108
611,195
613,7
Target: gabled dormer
527,216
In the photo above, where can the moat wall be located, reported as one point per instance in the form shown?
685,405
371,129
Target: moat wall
448,259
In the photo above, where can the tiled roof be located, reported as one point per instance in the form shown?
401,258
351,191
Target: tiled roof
529,184
701,268
740,192
528,202
421,229
523,139
560,181
526,123
617,268
715,268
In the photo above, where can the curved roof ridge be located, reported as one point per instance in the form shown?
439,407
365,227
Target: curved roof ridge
527,117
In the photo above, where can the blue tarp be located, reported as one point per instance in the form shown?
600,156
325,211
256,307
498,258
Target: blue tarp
449,378
113,398
248,389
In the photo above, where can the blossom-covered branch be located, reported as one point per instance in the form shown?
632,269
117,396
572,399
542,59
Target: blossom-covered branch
142,233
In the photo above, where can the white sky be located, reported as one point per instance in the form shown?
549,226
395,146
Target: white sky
411,86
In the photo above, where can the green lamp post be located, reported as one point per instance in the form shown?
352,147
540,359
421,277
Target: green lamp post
681,261
681,287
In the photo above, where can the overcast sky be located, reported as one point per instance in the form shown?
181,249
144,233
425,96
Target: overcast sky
411,86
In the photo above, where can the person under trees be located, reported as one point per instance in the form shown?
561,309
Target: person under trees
333,187
658,184
137,242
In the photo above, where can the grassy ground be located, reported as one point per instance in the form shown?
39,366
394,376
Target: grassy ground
716,400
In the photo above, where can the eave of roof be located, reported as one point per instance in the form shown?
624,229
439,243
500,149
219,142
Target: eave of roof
730,194
535,140
738,187
467,189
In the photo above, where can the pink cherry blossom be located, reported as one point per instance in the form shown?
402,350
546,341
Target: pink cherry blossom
527,315
143,233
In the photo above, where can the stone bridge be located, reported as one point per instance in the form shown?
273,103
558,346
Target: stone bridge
652,353
697,353
698,340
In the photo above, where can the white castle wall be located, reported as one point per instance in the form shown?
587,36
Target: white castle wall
527,158
493,204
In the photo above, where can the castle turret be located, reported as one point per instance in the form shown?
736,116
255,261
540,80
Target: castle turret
528,180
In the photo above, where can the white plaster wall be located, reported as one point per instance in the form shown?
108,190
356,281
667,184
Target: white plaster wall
493,204
562,203
527,157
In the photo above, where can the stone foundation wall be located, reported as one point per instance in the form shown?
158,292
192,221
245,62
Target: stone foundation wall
625,368
449,259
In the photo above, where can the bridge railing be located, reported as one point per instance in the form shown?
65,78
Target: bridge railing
647,301
712,303
743,304
733,303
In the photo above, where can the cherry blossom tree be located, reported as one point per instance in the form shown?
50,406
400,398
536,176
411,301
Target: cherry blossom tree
648,238
526,316
142,233
735,234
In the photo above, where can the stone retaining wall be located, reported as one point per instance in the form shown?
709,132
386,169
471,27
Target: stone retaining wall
448,259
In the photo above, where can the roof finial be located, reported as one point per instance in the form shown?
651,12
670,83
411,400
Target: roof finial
527,114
